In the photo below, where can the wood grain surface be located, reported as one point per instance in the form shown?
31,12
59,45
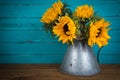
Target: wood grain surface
51,72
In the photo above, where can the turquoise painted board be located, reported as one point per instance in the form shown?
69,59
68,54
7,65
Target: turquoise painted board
46,48
51,59
23,40
38,10
32,23
38,36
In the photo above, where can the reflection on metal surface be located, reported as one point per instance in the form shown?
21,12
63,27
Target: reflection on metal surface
79,60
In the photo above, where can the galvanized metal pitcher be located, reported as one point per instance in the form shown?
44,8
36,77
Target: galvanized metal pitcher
79,60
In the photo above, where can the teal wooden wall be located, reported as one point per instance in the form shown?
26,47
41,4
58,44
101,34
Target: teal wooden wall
23,40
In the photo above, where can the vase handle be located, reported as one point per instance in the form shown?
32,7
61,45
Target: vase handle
98,54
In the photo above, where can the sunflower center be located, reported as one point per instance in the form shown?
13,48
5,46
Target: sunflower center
65,28
99,32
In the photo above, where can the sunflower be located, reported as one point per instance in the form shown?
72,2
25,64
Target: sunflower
84,11
57,6
65,29
98,33
52,13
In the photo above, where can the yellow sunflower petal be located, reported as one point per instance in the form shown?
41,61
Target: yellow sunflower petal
65,40
62,37
84,11
98,33
65,29
52,13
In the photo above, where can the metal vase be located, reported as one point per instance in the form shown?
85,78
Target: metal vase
80,60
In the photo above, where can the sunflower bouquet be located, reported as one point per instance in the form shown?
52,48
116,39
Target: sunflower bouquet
83,24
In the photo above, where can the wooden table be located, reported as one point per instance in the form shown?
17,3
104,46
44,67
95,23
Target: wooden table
51,72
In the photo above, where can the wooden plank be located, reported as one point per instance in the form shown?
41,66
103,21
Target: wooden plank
52,1
30,66
22,11
39,36
30,59
50,59
24,23
33,23
109,59
49,48
22,2
80,2
32,48
113,22
24,36
52,72
102,10
38,10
